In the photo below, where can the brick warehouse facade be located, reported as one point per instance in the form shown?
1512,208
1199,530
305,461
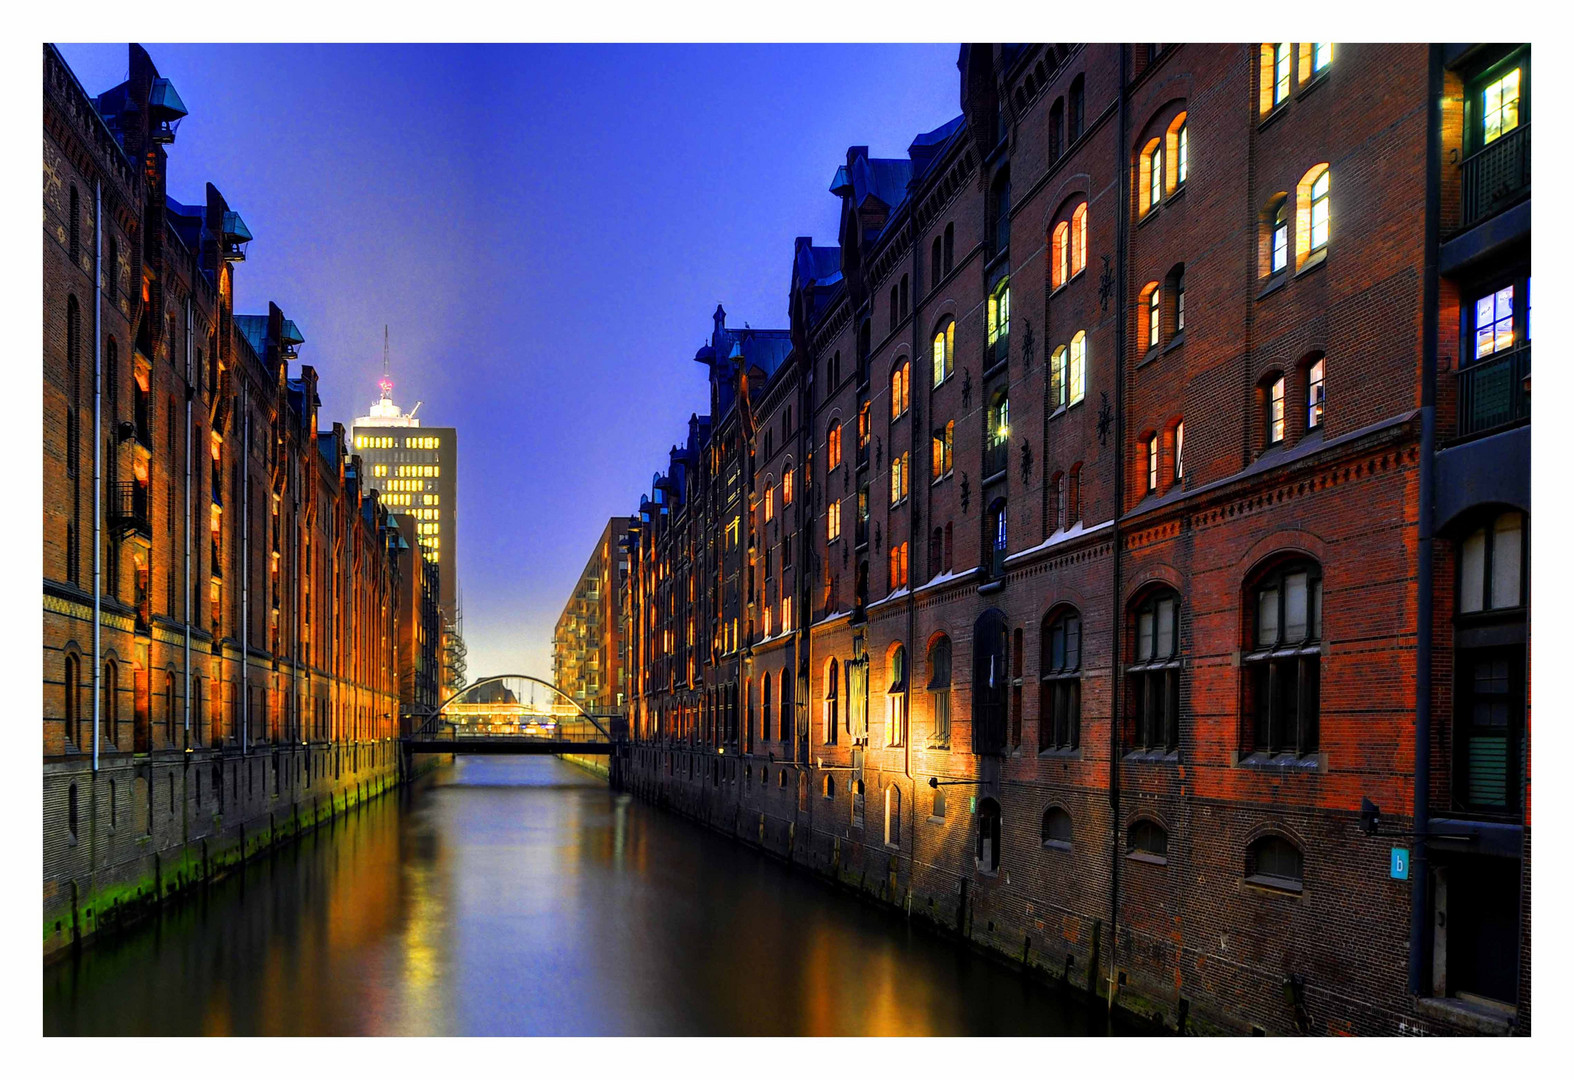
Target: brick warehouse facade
243,670
1122,557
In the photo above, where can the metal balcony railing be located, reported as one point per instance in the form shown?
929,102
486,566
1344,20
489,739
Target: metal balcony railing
1496,176
130,509
1494,393
995,458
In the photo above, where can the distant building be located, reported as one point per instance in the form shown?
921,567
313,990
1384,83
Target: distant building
414,471
419,630
587,650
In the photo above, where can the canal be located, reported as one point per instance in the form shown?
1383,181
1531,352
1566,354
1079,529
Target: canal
517,896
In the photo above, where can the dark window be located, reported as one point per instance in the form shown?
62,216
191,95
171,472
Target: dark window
1057,129
1060,682
989,683
936,266
1056,832
940,688
950,245
1074,110
1153,677
1001,195
997,538
1283,661
1147,837
1275,862
986,851
71,811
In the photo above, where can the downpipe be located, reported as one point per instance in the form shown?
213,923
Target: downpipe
98,472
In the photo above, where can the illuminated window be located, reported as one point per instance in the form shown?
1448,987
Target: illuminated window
1495,322
1281,72
833,521
1180,154
944,351
1150,177
896,704
1320,213
1153,462
787,485
1078,367
1490,566
1153,315
1314,395
1322,55
770,501
901,377
833,445
1500,106
1279,236
899,477
1058,385
1180,450
898,568
940,450
1060,255
1276,411
1079,239
999,313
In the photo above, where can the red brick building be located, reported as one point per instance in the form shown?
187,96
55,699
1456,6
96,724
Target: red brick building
1135,565
221,588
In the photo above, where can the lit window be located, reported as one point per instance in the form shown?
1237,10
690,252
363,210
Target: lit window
1155,176
1180,155
900,398
1057,378
899,478
833,521
787,485
1276,411
1060,257
1495,322
1079,239
1153,462
1153,317
1500,106
1281,72
1180,450
833,446
1314,395
1180,301
999,312
1281,238
940,450
1320,211
944,349
1322,55
1490,561
1078,368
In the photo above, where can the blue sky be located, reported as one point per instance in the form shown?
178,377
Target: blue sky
545,230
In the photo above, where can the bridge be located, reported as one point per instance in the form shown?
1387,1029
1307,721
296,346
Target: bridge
515,714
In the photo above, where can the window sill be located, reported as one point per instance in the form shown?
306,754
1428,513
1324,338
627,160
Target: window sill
1283,763
1314,82
1057,845
942,478
1175,342
991,587
1280,886
1062,753
1148,357
1313,261
1273,114
935,820
999,367
995,477
1144,857
1276,281
1152,757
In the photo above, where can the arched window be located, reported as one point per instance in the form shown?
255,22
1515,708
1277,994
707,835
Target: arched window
997,538
1275,235
1074,110
1146,837
1079,239
765,708
936,267
894,317
73,700
770,500
169,705
999,319
1180,450
896,700
1000,197
1153,676
1057,484
833,444
1275,863
1273,408
901,383
1315,393
950,245
944,351
1060,681
787,483
828,706
1077,367
1150,176
899,477
989,683
1175,145
785,726
828,787
858,804
893,816
986,852
1150,300
1057,130
109,708
1059,378
1282,664
1313,214
1175,288
940,455
865,342
1060,255
940,688
898,567
903,306
998,438
1055,833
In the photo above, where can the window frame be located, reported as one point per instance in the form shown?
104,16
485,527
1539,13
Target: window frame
1153,678
1060,684
1267,665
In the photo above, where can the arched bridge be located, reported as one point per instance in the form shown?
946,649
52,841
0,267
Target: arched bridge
514,714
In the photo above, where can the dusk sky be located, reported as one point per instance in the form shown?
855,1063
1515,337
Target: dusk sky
545,230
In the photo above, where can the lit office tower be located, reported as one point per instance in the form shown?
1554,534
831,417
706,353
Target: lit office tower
413,469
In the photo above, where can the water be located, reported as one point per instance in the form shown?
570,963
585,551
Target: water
517,896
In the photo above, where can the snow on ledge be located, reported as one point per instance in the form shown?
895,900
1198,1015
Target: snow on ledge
1058,538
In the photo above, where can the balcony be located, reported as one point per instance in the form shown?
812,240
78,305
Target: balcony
1495,393
996,459
1495,177
130,510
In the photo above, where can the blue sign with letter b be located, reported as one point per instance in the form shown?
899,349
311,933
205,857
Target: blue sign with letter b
1399,863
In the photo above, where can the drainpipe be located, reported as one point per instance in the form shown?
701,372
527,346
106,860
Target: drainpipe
186,571
1122,229
1420,921
245,574
98,470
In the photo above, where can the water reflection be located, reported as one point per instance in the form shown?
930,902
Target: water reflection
520,897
